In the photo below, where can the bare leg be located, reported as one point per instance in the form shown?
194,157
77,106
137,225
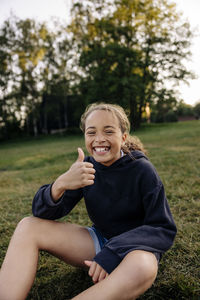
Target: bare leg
135,274
32,234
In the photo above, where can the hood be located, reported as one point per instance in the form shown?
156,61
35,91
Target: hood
133,156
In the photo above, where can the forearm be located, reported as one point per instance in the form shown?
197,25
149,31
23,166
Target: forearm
58,189
43,205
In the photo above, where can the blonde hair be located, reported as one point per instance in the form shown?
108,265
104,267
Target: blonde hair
132,142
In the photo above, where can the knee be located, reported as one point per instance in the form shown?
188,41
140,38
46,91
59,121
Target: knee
27,226
147,266
141,270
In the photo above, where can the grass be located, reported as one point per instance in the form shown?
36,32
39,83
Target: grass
174,150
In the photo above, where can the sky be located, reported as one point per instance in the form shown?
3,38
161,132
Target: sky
44,10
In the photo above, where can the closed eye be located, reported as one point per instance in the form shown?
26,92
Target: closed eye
91,133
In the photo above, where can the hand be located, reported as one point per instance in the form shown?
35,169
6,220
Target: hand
79,175
95,271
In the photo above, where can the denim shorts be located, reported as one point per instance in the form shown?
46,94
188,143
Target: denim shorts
99,241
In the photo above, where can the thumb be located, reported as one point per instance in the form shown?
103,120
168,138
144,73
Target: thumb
88,263
81,155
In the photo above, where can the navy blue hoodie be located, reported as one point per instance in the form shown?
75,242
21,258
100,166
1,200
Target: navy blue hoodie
126,203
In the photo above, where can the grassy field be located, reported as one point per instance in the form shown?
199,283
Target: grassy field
174,150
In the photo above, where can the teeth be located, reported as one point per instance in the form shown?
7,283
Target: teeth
103,149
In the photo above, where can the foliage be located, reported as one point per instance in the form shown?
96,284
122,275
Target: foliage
184,109
163,110
174,150
169,110
128,51
118,51
197,110
34,60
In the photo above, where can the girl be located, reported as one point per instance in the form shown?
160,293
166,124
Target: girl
126,202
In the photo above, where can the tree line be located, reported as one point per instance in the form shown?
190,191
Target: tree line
117,51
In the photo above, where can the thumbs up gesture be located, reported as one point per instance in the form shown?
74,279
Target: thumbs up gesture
81,155
79,175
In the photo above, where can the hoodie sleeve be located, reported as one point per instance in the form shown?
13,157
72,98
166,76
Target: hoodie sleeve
157,232
44,207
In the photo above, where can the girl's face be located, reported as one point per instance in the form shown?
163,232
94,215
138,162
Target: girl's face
103,137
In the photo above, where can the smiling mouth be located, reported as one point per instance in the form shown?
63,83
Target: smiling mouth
101,150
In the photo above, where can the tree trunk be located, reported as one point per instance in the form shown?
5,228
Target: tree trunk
133,113
65,113
35,129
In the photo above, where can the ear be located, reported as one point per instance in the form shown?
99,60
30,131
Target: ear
124,137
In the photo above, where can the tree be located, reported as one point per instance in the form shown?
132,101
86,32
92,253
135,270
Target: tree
57,78
184,109
164,107
7,106
197,110
23,46
34,64
127,52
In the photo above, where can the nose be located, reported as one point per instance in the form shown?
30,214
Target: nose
99,138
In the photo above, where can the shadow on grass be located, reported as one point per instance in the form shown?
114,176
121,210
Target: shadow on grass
62,288
76,281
